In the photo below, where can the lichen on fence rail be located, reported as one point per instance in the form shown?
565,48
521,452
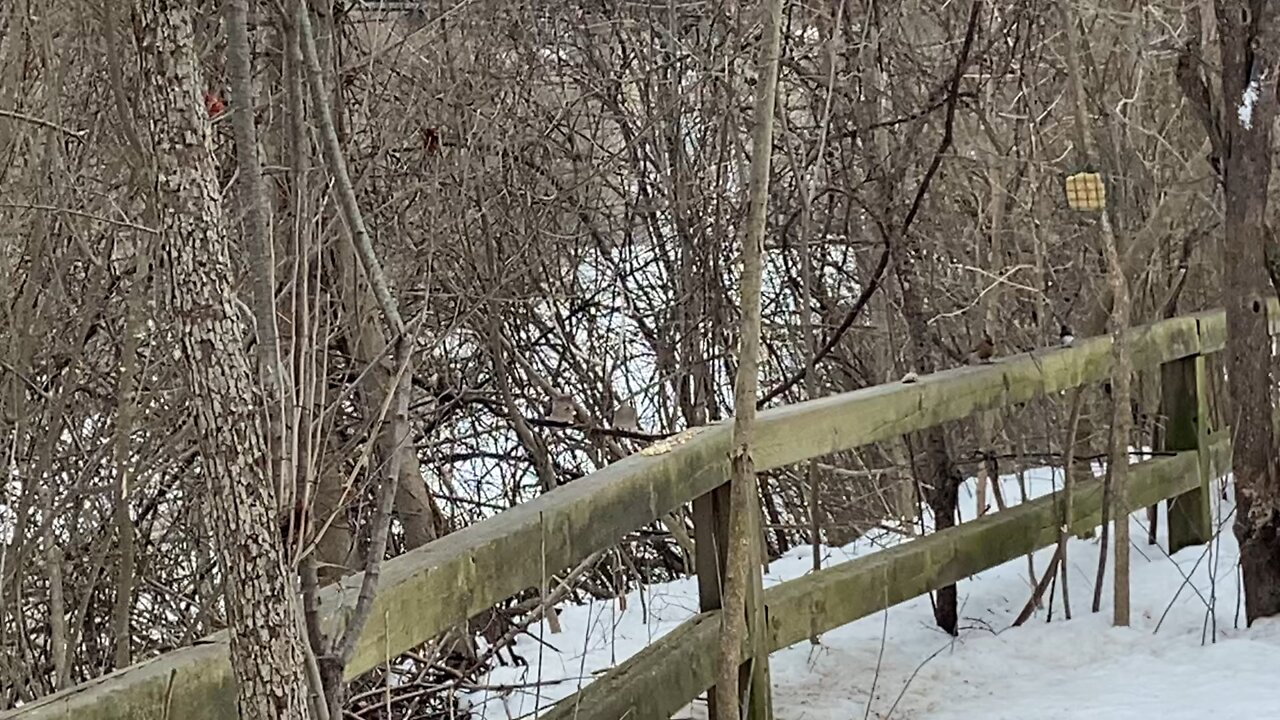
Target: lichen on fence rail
671,672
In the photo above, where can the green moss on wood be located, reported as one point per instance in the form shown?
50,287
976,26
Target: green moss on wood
1186,407
669,674
196,683
679,668
841,422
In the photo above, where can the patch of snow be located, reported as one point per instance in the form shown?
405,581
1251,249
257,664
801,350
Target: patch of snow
1186,654
1248,99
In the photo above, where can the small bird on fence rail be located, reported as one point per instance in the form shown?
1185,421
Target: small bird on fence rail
983,351
1066,338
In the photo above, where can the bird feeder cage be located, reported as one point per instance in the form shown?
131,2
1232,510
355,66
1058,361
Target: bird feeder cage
1085,191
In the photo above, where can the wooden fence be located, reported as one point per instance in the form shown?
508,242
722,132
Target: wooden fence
426,591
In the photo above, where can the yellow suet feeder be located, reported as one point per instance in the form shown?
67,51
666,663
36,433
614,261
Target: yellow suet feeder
1085,191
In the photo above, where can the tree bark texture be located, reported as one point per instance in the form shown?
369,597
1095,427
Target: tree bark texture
257,239
226,405
742,620
1248,35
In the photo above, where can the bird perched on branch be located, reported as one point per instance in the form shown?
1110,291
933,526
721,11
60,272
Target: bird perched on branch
1065,337
213,104
561,408
625,418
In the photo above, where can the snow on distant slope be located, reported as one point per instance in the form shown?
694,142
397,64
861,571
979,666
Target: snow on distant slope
1178,660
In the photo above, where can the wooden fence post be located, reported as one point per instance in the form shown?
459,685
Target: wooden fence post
710,540
1185,408
711,537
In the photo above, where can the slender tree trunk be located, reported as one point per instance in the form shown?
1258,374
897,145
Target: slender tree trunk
394,405
59,634
1121,421
931,460
743,537
1121,412
421,519
266,649
122,448
808,281
130,367
257,238
989,305
417,512
321,477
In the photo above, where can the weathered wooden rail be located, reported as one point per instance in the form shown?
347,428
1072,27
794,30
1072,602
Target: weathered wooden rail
426,591
664,677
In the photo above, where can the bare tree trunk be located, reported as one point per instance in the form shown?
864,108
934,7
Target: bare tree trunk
930,455
394,439
58,632
257,236
1121,412
126,406
1121,419
1250,40
742,564
417,512
266,648
989,305
130,366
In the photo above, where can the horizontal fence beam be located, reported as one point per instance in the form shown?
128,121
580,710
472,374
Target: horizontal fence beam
845,421
667,675
440,585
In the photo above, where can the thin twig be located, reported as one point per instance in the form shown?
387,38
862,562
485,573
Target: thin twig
875,679
399,397
1041,586
1103,540
867,292
1186,576
914,673
1068,491
41,122
79,214
343,187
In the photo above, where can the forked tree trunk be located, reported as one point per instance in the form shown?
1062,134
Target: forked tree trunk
419,516
266,650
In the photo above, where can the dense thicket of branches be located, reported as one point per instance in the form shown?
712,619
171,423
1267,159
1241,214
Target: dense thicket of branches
555,192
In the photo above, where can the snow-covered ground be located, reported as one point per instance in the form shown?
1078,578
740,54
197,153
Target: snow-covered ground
1186,655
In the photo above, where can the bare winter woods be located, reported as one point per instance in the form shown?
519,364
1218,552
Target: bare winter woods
289,288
